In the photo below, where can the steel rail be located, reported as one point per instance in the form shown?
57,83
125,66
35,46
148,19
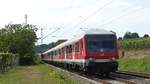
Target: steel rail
123,80
82,75
104,80
137,74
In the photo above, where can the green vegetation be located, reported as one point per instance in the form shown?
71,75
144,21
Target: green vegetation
45,47
19,39
7,60
136,65
129,35
38,74
137,43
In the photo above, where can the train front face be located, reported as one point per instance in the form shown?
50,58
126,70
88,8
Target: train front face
101,53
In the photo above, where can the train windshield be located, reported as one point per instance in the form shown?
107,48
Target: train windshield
100,43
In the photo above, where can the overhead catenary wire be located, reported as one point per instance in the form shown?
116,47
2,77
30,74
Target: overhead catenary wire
109,21
57,28
49,34
122,15
78,17
68,8
95,12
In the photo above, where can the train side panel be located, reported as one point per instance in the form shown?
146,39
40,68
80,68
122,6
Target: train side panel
79,54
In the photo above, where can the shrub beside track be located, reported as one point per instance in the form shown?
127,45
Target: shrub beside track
7,61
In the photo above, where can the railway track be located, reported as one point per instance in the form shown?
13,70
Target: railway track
123,80
132,77
142,75
110,79
121,77
114,78
104,80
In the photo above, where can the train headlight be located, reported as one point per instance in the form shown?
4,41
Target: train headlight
101,50
113,58
91,59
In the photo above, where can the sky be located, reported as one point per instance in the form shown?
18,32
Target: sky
72,17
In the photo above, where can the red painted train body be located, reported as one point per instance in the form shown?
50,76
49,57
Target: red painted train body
94,51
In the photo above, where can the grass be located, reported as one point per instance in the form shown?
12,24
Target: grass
39,74
135,65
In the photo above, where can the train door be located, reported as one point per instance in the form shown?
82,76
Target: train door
65,53
70,52
73,52
81,47
76,50
52,54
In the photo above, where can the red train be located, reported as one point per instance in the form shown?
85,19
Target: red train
94,51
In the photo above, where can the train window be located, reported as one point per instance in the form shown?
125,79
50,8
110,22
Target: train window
70,49
67,49
49,54
73,48
62,51
59,52
108,44
76,47
100,43
55,53
52,53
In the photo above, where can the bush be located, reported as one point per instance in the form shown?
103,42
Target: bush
7,60
36,60
30,60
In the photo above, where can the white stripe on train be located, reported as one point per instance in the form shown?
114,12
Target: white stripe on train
82,60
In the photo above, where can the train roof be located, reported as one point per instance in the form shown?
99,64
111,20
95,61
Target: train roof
88,32
98,31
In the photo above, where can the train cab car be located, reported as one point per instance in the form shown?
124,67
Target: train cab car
94,51
101,51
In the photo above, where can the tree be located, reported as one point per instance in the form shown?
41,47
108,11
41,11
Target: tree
120,38
45,47
3,40
129,35
18,39
60,41
146,35
135,35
